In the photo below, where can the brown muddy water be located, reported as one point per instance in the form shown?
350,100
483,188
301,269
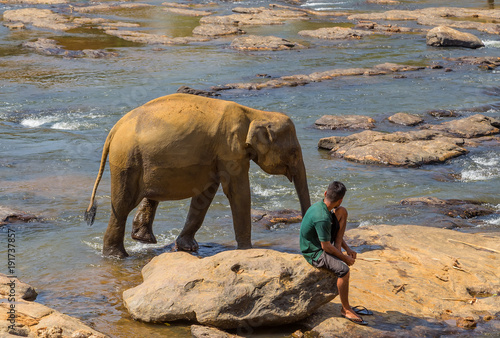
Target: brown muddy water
55,114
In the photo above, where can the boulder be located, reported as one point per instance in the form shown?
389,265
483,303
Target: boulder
8,215
413,148
256,43
350,122
418,281
405,119
335,33
231,289
443,36
470,127
451,207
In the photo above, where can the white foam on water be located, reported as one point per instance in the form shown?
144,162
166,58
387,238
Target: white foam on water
67,125
493,221
37,122
492,43
482,168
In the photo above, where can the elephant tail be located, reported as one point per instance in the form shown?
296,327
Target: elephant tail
92,208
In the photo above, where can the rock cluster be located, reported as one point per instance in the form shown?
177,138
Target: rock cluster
336,33
255,43
271,219
255,287
50,47
33,319
451,207
435,143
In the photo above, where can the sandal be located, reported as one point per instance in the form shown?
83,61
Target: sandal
361,310
359,320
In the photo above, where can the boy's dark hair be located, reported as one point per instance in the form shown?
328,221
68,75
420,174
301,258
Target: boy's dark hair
336,191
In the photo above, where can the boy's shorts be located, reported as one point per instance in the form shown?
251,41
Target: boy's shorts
332,263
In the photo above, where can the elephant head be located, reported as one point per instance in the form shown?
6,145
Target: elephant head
272,143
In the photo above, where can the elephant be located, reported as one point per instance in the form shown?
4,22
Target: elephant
185,146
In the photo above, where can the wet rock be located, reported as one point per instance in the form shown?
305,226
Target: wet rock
14,25
189,90
50,47
443,36
272,219
486,62
256,43
405,119
414,259
439,113
42,18
384,28
349,122
22,290
253,287
200,331
110,7
153,39
451,207
470,127
216,30
411,149
255,16
187,12
303,79
335,33
8,215
34,319
467,323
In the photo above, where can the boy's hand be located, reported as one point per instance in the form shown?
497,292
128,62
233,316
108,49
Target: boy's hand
349,260
351,253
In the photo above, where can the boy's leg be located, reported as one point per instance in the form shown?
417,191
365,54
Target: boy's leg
343,286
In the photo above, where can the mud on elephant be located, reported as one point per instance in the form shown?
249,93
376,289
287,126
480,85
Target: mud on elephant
185,146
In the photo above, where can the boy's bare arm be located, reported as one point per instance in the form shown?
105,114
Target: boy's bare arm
329,248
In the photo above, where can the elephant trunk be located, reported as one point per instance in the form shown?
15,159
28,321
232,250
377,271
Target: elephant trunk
300,182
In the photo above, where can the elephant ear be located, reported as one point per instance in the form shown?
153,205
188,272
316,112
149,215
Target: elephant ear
259,138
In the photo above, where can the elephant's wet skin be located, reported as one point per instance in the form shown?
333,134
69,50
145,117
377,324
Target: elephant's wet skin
182,146
142,226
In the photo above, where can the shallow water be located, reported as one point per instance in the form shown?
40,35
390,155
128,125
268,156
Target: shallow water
55,114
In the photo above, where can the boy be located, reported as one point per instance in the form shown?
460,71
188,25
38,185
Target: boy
322,240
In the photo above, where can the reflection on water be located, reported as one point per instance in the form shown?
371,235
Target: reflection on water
55,114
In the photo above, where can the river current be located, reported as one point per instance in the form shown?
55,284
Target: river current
55,114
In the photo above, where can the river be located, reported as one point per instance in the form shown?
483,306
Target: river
55,114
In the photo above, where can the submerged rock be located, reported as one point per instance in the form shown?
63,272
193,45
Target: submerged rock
451,207
8,215
42,18
443,36
405,119
255,43
192,91
350,122
255,287
50,47
411,149
335,33
272,219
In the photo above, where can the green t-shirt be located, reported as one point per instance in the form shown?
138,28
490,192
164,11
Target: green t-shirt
316,228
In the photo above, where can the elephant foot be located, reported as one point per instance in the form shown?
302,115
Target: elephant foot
114,252
143,235
244,246
186,244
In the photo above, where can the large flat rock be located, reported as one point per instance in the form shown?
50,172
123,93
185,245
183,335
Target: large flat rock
411,149
469,127
419,281
255,287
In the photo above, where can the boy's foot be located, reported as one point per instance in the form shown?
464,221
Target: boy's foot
353,317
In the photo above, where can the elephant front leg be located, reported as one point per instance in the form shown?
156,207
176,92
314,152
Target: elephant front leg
197,211
237,190
142,226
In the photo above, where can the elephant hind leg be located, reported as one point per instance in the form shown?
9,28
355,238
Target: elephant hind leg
197,211
142,226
